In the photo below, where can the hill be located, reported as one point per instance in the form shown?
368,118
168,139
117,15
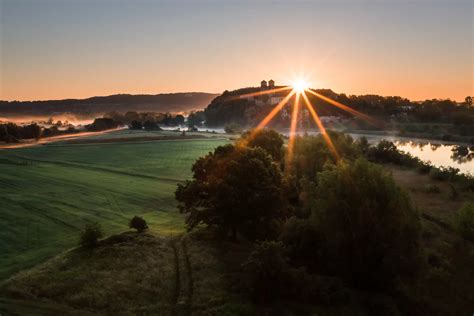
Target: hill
165,102
69,185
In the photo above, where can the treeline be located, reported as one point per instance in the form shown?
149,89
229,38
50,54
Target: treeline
229,108
127,118
327,228
13,133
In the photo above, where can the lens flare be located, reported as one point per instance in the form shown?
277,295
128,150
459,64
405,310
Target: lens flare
320,125
299,89
293,127
300,85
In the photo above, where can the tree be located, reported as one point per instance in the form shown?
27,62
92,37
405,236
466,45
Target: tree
468,101
138,223
136,125
179,120
365,229
267,139
196,118
268,271
31,131
237,189
90,235
101,124
151,126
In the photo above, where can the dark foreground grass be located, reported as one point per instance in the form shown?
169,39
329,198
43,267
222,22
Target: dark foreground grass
129,273
48,193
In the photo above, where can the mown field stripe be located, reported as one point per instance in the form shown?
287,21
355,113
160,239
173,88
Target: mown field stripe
96,168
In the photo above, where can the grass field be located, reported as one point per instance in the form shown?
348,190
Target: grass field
48,193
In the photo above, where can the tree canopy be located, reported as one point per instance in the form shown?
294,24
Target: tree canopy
236,188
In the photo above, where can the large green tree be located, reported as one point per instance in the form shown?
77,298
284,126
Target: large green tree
362,227
236,188
267,139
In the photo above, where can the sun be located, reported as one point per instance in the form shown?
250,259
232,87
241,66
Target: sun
300,85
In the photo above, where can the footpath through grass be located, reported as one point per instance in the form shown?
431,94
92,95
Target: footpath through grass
48,193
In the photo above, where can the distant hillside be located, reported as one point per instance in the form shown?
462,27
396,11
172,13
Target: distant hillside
169,102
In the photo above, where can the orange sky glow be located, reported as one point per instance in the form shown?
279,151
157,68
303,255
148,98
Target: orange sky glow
57,50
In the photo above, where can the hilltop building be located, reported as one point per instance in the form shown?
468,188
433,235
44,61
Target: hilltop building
267,98
264,85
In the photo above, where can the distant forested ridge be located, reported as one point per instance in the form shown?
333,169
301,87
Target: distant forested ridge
170,102
235,107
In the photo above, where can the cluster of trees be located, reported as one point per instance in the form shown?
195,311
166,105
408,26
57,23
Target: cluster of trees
230,108
319,223
143,117
102,124
12,133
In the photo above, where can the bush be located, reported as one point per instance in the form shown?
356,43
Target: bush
443,174
423,168
138,223
90,235
432,188
465,221
385,151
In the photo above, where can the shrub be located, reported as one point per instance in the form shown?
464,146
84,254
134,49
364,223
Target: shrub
465,221
423,168
385,151
90,235
138,223
432,188
443,174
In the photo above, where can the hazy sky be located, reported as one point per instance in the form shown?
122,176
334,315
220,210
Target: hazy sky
73,49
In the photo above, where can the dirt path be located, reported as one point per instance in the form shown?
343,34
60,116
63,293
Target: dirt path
182,298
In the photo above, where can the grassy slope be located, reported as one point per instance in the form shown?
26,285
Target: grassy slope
128,274
447,283
48,193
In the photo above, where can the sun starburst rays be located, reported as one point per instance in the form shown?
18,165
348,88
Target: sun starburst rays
270,91
320,125
275,110
299,90
344,107
293,127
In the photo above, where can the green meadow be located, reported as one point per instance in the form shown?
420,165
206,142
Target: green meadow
48,193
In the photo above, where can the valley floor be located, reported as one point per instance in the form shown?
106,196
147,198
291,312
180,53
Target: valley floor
167,271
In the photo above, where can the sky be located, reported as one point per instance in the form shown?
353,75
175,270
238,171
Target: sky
56,49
